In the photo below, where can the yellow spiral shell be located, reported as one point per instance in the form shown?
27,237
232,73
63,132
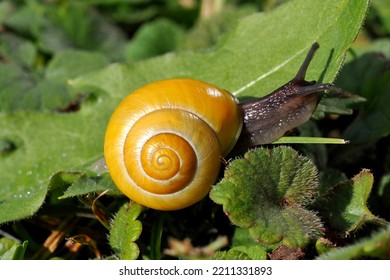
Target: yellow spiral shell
164,141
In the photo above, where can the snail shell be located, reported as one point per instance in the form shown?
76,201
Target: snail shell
164,142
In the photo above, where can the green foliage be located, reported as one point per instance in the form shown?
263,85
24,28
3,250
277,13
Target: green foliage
345,205
20,251
267,191
376,246
156,38
371,69
233,254
65,65
242,241
11,249
8,248
83,184
72,24
44,144
22,86
71,63
125,230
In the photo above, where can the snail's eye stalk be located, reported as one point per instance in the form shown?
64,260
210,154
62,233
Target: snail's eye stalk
300,76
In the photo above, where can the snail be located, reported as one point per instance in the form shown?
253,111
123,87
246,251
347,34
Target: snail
164,142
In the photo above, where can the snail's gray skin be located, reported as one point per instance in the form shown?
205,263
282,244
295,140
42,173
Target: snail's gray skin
268,118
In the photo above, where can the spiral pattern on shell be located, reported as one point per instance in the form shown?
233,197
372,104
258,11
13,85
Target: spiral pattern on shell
164,142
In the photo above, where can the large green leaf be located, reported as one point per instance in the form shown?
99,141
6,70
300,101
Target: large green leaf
260,54
40,145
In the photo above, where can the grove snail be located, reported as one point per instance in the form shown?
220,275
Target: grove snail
164,142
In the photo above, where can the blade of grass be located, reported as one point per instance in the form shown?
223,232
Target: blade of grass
20,251
309,140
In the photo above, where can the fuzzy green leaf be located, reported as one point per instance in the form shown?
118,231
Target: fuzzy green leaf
345,206
125,230
377,246
85,184
267,192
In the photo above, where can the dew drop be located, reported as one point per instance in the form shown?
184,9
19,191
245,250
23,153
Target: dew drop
99,166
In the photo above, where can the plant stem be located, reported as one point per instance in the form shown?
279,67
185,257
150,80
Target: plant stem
155,242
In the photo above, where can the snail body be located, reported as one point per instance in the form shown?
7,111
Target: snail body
164,142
